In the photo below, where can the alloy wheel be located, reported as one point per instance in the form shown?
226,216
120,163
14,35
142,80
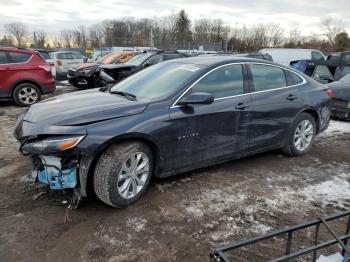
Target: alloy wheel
133,175
28,95
303,135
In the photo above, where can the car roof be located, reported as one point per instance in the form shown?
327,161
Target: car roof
216,60
16,49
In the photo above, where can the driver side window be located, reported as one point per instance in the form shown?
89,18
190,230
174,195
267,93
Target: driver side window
223,82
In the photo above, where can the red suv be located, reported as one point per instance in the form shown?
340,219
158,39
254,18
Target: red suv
24,76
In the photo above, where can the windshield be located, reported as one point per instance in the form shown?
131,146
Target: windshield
139,59
108,59
157,81
346,78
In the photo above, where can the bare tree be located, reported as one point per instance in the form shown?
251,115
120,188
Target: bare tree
19,31
7,40
294,36
95,35
331,29
39,39
67,38
80,36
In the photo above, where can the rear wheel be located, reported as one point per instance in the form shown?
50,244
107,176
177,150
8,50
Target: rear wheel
26,94
301,136
122,173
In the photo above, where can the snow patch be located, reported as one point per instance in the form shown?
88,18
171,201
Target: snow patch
337,189
137,223
336,128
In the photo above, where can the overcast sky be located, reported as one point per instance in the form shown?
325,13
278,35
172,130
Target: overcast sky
54,15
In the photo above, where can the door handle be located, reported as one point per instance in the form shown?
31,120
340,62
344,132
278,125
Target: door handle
291,97
241,106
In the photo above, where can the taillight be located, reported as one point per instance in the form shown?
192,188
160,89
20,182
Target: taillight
329,92
46,67
59,62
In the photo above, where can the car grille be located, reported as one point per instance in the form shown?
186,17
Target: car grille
71,73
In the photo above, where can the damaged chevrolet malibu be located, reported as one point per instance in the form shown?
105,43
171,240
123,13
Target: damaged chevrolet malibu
170,118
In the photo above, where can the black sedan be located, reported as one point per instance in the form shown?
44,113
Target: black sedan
171,118
89,77
341,98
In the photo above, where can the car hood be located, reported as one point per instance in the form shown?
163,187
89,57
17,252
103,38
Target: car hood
85,66
341,90
82,108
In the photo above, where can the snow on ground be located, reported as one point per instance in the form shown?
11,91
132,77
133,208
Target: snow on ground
285,194
336,128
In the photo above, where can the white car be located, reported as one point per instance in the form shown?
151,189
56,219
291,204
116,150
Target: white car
64,60
286,55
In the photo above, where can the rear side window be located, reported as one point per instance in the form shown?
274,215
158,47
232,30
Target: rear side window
316,55
3,58
223,82
267,77
16,58
293,78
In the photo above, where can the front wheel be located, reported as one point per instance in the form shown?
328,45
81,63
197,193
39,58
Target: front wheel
122,173
26,94
301,135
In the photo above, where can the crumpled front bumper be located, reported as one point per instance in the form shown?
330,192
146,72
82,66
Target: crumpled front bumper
56,172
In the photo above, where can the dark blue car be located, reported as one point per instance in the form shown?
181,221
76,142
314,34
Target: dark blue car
170,118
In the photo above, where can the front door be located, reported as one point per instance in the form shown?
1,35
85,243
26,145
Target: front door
215,132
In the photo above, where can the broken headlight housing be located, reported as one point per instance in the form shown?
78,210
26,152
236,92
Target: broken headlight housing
52,145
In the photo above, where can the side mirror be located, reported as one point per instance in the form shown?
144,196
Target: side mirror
197,98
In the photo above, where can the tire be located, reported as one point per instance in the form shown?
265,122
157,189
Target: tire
110,176
292,147
26,94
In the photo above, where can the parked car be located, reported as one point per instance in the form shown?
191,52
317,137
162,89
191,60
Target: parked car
136,64
341,98
334,68
171,118
65,60
24,76
81,75
285,56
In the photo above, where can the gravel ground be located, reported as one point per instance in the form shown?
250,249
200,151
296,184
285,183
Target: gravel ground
179,219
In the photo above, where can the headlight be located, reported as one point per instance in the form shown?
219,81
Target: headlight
52,145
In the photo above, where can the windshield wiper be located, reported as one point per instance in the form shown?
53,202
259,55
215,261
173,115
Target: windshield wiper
126,94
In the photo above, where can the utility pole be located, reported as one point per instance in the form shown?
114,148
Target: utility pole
151,39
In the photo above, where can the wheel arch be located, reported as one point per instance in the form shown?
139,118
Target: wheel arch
315,115
87,182
23,81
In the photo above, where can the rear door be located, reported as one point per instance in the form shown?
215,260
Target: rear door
4,74
212,133
276,101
